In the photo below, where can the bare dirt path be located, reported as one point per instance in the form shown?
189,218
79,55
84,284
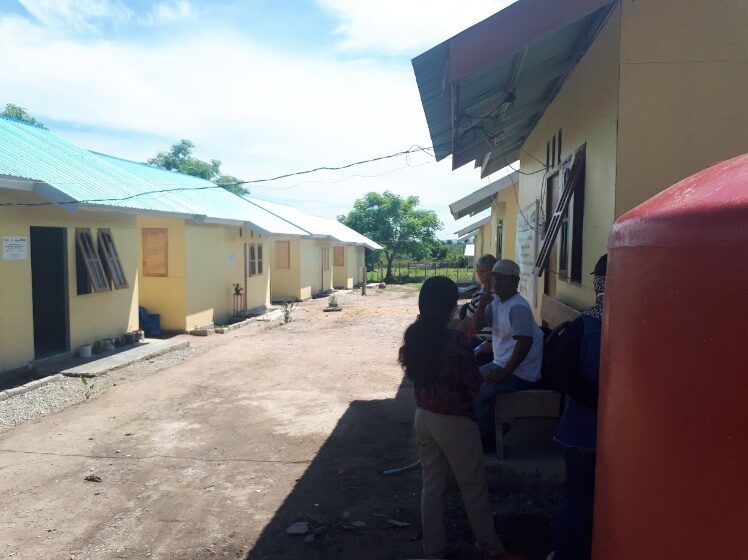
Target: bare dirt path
216,456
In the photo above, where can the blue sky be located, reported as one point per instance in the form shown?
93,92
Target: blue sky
267,87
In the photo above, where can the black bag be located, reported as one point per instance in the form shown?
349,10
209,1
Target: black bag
561,369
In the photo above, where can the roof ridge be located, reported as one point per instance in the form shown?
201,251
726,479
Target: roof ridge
23,122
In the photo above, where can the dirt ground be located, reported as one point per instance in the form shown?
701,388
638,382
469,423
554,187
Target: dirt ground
216,456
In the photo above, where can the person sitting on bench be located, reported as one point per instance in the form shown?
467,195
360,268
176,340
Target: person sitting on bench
517,345
481,340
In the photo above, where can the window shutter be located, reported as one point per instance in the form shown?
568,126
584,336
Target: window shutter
252,260
282,254
96,274
576,173
155,252
259,258
111,259
339,256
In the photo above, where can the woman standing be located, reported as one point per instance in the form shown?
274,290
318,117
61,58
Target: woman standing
443,369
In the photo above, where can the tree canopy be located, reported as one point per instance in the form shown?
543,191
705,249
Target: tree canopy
396,223
20,114
179,158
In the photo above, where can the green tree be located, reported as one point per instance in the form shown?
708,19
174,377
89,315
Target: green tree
396,223
20,114
179,158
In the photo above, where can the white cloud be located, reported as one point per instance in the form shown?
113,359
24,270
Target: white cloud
405,26
169,12
262,112
77,15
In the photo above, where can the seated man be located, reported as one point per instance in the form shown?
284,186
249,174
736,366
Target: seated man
517,344
481,340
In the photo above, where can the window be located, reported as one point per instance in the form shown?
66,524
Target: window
500,240
557,221
90,273
325,258
282,254
338,256
253,258
155,252
110,259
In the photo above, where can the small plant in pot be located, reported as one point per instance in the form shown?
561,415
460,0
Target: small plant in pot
332,301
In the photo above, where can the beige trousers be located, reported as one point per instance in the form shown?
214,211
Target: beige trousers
453,443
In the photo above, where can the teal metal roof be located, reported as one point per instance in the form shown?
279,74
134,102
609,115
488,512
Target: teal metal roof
484,90
200,194
316,225
69,175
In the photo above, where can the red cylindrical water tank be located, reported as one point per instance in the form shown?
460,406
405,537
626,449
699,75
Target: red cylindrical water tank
672,470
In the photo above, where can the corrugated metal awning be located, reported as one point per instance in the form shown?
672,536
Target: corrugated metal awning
482,198
472,228
484,90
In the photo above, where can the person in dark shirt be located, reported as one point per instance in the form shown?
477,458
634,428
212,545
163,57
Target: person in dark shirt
442,366
577,431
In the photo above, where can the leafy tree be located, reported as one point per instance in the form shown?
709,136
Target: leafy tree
439,251
20,114
179,158
396,223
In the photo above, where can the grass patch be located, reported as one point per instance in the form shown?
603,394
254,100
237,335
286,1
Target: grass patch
419,276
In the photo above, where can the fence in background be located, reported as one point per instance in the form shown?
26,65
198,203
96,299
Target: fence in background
405,272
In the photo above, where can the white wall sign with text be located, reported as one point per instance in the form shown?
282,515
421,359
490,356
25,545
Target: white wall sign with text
528,223
15,248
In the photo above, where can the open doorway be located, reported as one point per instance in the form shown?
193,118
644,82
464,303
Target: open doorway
49,290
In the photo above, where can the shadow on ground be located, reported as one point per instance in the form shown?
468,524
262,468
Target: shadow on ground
344,488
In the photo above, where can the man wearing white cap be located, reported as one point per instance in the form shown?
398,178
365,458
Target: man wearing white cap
517,344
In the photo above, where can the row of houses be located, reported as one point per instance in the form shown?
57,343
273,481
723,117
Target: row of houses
89,238
591,107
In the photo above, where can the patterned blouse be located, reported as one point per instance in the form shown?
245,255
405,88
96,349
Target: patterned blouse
454,392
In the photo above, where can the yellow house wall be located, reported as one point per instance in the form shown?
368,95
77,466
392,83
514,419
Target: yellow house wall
327,275
684,77
91,316
166,296
214,261
342,275
311,267
285,283
586,110
504,208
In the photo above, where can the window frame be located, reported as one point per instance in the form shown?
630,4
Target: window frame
111,260
572,184
97,278
253,259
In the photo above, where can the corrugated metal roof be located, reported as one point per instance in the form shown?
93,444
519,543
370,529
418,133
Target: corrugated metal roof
316,225
481,199
475,226
484,90
215,203
68,174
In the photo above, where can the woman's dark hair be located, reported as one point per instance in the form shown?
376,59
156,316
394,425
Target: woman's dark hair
422,352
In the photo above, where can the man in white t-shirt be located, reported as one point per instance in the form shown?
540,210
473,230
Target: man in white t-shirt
517,344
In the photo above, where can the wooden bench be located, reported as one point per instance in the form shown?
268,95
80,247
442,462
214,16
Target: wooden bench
524,404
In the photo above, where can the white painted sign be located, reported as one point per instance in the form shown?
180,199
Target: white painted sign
528,223
15,248
231,258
